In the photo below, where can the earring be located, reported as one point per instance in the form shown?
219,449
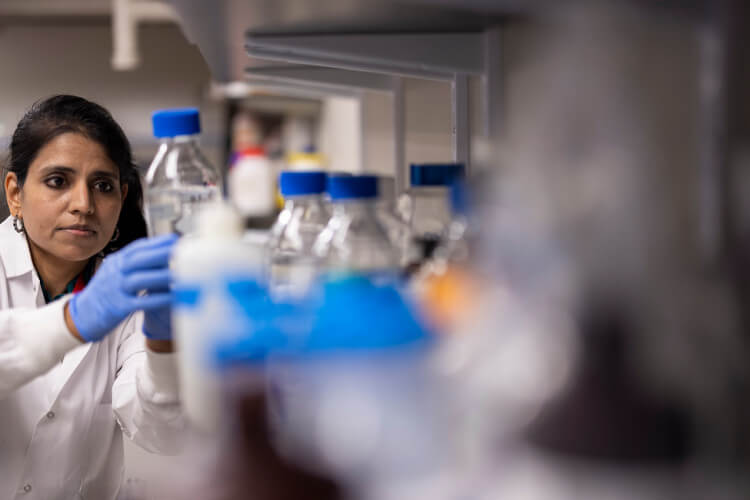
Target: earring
18,224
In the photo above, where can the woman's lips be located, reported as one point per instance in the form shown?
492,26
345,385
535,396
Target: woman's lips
83,231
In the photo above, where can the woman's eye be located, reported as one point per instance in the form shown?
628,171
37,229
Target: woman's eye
104,187
55,182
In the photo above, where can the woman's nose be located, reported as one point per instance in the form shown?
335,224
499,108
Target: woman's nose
81,199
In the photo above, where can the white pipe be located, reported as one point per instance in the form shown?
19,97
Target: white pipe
126,15
124,48
150,10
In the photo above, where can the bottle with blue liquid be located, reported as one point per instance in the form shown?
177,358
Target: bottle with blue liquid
366,407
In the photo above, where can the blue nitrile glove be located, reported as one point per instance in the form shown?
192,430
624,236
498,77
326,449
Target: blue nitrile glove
112,293
157,323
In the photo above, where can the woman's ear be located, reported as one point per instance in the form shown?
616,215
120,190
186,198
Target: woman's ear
124,190
13,194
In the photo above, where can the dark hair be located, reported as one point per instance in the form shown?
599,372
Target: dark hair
59,114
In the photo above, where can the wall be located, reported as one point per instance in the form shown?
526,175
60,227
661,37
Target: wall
427,123
340,134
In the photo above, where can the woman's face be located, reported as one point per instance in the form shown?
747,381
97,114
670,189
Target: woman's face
71,200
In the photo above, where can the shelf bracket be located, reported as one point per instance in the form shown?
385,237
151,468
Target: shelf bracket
436,56
399,137
460,119
337,80
492,83
343,63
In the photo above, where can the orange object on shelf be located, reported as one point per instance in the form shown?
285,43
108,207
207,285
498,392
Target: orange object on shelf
447,297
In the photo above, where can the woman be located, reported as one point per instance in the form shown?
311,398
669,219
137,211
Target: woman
80,364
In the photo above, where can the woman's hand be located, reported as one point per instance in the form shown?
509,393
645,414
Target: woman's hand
157,327
113,292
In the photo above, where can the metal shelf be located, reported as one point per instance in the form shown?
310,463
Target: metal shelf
423,55
335,80
219,27
348,46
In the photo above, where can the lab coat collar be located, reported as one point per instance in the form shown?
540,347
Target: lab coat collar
14,250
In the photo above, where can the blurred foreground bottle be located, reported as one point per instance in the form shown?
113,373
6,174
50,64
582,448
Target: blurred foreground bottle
180,179
366,408
204,267
241,459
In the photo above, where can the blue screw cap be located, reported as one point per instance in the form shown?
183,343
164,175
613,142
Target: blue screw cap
302,183
352,187
436,174
174,122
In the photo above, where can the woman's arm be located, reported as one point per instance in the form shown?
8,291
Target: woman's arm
145,395
161,346
31,342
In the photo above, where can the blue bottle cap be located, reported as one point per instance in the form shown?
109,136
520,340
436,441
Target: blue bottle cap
301,183
352,187
174,122
436,174
345,187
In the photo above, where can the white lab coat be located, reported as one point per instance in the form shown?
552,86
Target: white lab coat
61,401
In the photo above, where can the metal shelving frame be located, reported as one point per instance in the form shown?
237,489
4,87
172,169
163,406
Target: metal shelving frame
346,62
376,62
